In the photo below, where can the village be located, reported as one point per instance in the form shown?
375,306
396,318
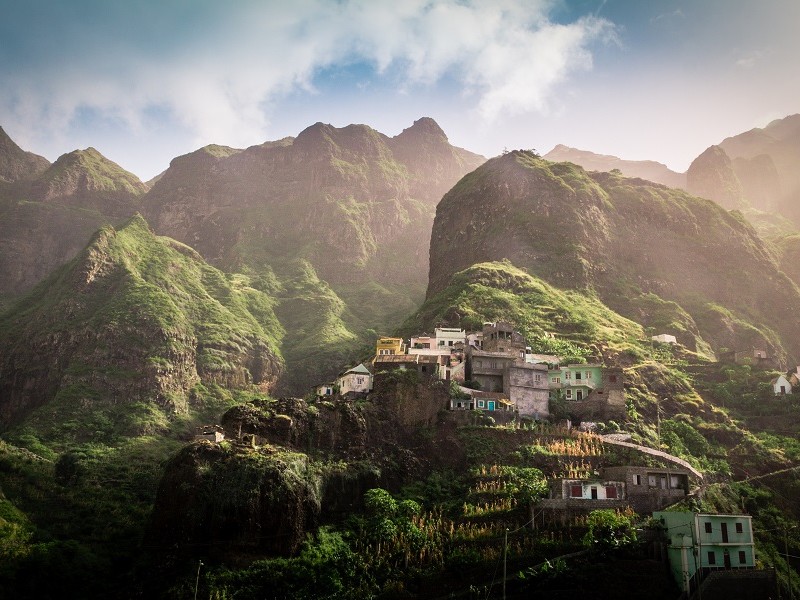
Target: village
493,371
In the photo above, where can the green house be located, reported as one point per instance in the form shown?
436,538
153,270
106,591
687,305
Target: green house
699,543
575,381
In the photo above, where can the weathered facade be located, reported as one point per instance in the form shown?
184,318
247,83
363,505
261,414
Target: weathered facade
527,388
650,489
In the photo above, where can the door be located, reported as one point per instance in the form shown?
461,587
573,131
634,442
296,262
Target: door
491,404
727,555
594,493
580,395
725,538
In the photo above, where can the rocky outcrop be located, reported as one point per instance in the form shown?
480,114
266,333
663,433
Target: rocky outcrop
711,176
135,319
235,499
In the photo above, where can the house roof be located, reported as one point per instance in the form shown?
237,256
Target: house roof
360,369
406,358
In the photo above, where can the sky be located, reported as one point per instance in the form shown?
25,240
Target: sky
144,81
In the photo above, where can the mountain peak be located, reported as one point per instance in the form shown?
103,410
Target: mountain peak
424,126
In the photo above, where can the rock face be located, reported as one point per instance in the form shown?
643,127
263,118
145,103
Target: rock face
643,169
622,239
349,200
711,176
134,321
264,498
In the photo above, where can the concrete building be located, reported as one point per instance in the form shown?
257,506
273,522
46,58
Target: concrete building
699,543
487,368
357,380
501,337
781,386
424,365
527,387
650,489
386,346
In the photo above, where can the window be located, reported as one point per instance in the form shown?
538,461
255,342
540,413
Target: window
538,378
478,363
651,480
576,491
611,491
637,480
580,395
739,528
612,379
567,376
708,527
569,394
578,375
556,379
588,374
480,403
712,558
742,557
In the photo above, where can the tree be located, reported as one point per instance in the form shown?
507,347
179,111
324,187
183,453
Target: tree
609,531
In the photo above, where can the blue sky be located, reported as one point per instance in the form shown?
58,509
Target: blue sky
145,81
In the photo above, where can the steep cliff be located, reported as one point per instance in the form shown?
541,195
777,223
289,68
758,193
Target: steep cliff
116,341
628,241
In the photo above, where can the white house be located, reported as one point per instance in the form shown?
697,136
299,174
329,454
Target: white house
781,386
357,380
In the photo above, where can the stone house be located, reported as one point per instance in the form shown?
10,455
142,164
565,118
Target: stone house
211,433
501,337
426,366
487,368
664,338
649,488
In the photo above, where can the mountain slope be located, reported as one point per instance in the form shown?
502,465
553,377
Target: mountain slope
337,219
46,220
117,341
629,241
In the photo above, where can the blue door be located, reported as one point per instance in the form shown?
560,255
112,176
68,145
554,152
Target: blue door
491,404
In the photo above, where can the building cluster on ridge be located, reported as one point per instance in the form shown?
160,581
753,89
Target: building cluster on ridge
494,371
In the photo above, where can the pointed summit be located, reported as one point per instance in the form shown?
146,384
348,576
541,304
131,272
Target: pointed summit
711,176
424,127
16,164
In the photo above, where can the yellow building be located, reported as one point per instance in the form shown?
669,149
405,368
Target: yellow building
390,345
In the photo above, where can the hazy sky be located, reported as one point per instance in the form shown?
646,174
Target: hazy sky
144,81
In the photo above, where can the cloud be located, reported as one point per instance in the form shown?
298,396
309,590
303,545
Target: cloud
217,67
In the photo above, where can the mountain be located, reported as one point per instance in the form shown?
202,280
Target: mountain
17,164
765,160
122,339
711,175
659,256
335,222
47,219
644,169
